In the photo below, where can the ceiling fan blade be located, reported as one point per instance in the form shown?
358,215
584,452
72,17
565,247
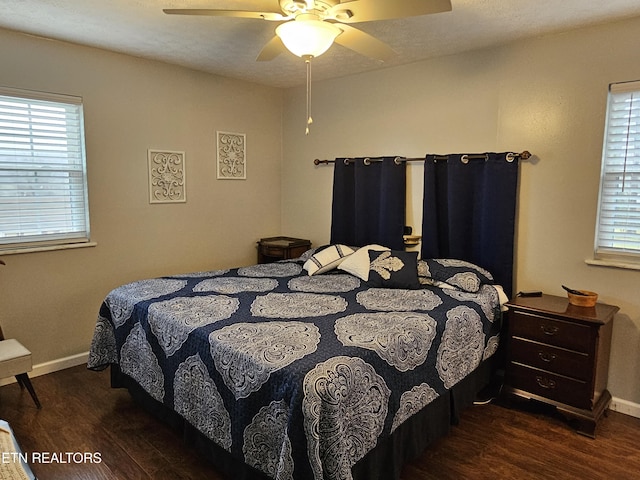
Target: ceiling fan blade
363,43
271,50
211,12
371,10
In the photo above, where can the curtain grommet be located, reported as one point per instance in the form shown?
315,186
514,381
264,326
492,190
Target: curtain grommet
397,160
367,161
464,159
510,157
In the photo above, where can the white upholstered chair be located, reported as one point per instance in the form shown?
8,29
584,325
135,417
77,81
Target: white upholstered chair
15,361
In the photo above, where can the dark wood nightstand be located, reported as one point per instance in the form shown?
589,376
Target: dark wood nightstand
281,248
558,354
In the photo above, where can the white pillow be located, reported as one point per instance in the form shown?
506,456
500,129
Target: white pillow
358,263
327,259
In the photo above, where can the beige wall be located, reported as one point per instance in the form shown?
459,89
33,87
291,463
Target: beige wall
546,95
50,300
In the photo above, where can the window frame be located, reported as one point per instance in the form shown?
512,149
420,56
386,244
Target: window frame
71,176
605,253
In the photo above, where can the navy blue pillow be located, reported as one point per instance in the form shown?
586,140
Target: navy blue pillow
393,269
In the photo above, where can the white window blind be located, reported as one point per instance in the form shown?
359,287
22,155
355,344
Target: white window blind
618,226
43,194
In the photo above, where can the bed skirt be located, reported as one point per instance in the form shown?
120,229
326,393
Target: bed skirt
384,462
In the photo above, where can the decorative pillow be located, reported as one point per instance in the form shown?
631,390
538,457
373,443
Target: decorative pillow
312,251
327,259
358,263
459,273
393,269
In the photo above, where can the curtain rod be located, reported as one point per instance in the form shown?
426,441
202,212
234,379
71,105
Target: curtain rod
398,160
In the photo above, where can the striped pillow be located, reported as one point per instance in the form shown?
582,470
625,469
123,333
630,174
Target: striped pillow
327,259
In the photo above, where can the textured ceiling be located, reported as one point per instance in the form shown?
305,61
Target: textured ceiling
229,46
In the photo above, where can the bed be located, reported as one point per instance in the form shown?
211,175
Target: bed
340,364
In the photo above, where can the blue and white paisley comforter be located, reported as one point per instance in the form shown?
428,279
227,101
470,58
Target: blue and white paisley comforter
298,376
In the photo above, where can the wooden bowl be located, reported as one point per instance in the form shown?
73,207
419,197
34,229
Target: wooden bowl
589,299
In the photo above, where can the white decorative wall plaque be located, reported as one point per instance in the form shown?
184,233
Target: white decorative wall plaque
232,156
166,177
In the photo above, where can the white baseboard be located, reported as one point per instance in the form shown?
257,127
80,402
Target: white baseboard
626,407
52,366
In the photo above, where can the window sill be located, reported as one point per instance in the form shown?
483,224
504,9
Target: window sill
48,248
613,264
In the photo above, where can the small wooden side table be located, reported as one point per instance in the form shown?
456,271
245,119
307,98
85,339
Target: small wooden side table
558,353
273,249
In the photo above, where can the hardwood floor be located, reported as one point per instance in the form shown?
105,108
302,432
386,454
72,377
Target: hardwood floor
81,413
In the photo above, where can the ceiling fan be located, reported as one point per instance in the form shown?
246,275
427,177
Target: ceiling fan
309,27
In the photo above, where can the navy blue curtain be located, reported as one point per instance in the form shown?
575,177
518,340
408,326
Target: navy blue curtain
369,202
469,210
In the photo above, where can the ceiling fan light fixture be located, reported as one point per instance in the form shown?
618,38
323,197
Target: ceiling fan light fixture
307,37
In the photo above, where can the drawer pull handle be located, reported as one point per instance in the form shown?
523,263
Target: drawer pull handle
549,330
546,382
546,357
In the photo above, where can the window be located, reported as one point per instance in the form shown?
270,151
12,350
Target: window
618,226
43,187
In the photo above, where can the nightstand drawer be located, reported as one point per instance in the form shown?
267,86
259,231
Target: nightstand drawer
557,360
573,336
549,385
273,251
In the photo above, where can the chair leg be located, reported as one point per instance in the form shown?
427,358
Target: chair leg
23,379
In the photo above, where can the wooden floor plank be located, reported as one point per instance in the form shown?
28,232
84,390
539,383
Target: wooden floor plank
81,413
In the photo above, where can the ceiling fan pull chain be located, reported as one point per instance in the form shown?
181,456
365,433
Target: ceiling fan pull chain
309,119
